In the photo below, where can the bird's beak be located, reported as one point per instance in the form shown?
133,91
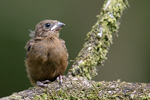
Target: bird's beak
57,26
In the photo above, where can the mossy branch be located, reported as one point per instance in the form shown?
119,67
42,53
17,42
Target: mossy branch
79,88
98,40
92,55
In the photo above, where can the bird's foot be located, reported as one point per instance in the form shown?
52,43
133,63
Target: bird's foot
43,83
59,78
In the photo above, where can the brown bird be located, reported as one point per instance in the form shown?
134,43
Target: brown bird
47,56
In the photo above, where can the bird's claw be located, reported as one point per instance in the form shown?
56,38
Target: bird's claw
59,78
43,83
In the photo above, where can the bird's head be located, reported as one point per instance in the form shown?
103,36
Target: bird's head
48,27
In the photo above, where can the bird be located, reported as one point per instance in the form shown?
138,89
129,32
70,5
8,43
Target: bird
47,55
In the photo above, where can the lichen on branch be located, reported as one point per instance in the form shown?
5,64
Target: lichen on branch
98,40
79,88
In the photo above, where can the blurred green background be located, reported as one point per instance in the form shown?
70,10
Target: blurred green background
128,57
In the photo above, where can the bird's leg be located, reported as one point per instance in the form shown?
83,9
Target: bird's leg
43,83
59,78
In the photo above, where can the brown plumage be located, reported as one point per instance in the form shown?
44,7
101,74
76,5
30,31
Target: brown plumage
47,56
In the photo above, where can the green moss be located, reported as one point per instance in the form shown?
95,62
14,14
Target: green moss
98,84
98,40
43,96
16,97
82,89
145,97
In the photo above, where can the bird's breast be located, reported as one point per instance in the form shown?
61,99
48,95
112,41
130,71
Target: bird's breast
49,49
47,59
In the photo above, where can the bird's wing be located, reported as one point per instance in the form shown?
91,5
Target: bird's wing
63,44
30,43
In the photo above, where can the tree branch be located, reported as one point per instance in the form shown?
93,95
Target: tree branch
98,40
78,84
75,88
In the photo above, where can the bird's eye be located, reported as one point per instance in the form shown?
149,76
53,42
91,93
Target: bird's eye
47,24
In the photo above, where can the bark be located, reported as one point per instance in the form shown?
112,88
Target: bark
78,84
98,40
79,88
